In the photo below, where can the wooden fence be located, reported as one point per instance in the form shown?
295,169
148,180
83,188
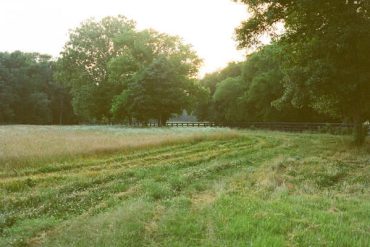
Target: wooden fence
283,126
295,126
192,124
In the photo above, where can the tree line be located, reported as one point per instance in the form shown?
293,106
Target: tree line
107,72
251,91
315,69
325,54
28,92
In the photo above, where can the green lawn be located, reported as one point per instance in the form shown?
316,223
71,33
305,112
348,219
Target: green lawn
251,188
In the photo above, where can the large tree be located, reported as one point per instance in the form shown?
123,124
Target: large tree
117,72
326,46
157,75
262,78
83,65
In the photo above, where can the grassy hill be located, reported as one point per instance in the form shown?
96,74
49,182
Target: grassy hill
185,187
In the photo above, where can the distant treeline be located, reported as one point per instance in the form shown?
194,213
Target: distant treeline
251,91
317,70
108,72
28,92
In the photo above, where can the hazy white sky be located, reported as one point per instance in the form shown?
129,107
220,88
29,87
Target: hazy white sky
42,25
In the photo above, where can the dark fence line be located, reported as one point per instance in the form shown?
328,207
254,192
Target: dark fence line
283,126
295,126
193,124
177,124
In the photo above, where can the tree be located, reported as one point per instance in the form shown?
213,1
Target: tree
27,90
249,91
202,103
325,44
227,99
205,108
233,69
83,65
118,73
157,76
262,77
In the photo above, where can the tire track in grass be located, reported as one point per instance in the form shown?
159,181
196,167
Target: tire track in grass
86,162
96,191
106,178
149,151
111,180
105,165
210,171
175,150
112,175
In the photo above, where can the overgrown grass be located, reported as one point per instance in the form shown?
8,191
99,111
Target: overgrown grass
25,146
255,189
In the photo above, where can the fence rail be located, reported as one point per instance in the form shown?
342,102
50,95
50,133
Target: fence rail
293,126
284,126
192,124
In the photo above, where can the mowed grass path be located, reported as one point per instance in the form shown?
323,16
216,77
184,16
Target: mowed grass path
252,188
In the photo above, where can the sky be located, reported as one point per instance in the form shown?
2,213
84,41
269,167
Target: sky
43,25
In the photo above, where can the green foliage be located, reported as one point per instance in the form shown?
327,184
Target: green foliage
83,65
262,77
211,80
205,107
325,47
28,93
226,99
252,92
201,102
162,83
119,73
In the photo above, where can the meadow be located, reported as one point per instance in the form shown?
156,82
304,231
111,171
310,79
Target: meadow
27,145
112,186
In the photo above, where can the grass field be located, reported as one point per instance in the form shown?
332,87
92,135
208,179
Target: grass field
25,146
183,187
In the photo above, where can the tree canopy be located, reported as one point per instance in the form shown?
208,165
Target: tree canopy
83,65
251,92
325,46
28,93
117,72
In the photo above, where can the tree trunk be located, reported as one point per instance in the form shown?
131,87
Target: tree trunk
164,119
61,111
160,121
359,132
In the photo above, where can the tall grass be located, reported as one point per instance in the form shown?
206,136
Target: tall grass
23,145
